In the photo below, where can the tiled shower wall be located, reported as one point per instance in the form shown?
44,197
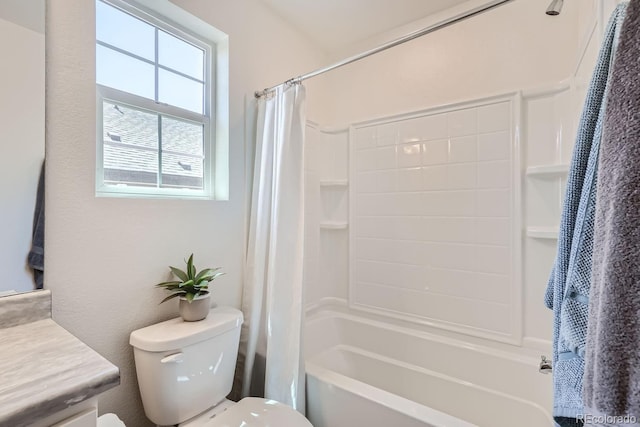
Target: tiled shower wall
433,218
431,197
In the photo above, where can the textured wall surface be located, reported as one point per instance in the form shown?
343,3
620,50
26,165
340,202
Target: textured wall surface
105,254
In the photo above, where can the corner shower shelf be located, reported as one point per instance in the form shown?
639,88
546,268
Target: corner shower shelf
548,170
333,225
334,183
542,232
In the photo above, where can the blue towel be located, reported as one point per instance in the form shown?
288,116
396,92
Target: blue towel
568,289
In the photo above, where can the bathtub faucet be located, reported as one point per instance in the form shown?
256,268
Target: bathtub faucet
545,365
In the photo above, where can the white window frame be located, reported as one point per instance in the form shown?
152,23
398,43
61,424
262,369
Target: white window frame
214,120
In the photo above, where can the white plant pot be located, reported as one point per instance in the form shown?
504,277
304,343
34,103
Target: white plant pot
197,309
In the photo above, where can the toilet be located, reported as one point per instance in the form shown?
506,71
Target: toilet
185,371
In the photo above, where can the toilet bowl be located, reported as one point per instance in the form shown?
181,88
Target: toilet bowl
185,371
250,412
110,420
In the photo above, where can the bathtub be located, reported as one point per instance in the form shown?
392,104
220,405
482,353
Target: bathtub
370,373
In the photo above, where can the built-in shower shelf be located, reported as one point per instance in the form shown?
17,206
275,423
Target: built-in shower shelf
333,225
542,232
548,170
334,183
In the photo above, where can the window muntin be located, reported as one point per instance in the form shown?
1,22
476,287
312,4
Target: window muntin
153,118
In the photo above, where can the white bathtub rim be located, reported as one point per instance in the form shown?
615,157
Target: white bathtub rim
503,337
440,375
503,354
326,303
530,347
384,398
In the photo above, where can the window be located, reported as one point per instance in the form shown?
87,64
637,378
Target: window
156,89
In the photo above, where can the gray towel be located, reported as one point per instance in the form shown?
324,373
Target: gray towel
612,360
35,258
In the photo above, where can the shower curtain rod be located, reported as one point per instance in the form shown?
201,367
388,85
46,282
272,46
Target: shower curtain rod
419,33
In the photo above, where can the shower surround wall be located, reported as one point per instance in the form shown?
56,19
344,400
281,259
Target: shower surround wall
326,214
435,218
415,255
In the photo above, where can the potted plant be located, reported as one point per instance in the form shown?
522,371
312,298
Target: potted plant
193,290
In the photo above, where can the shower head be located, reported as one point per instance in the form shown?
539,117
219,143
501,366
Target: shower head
555,7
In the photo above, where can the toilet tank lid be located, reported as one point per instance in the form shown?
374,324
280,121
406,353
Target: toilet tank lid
176,333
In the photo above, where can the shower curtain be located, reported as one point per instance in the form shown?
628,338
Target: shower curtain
271,339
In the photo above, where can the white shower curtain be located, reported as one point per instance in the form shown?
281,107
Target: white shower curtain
271,342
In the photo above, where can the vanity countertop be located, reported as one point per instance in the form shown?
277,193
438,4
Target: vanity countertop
44,369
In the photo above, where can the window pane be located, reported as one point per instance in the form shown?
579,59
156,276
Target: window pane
129,126
182,137
130,166
124,73
180,92
122,30
180,55
182,171
130,146
183,153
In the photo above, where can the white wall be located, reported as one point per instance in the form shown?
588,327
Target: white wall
512,47
104,255
21,148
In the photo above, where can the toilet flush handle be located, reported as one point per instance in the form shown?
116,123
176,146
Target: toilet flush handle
172,358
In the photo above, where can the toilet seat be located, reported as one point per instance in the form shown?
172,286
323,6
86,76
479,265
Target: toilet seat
110,420
253,412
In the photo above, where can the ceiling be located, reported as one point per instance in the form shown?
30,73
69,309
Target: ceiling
332,24
26,13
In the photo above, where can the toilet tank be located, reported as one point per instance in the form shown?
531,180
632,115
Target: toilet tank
185,368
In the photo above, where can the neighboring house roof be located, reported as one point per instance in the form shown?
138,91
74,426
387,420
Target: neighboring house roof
131,144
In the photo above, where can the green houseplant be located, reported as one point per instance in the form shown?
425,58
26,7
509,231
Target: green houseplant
192,288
